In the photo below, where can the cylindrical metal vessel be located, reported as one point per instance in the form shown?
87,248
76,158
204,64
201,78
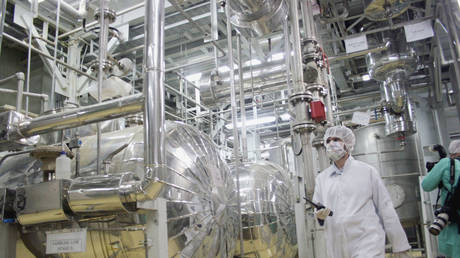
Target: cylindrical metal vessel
267,210
198,188
262,16
397,164
392,67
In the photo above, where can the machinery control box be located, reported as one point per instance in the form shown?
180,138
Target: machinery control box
43,202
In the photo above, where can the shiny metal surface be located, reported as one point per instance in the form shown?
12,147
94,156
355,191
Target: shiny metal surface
261,16
397,164
198,187
392,67
103,193
41,203
78,117
154,91
267,207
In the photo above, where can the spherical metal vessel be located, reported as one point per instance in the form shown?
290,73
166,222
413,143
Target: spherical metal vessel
267,210
397,164
198,187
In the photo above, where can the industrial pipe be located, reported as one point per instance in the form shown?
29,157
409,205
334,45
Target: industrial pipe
2,20
77,117
81,13
236,140
154,91
244,141
19,93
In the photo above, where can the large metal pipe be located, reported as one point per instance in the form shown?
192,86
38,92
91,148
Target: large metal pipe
236,140
78,117
154,113
244,140
80,13
297,64
103,38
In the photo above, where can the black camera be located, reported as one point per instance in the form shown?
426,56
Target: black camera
442,154
440,221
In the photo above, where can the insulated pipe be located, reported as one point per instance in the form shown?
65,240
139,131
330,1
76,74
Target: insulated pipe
236,140
154,90
297,63
244,141
77,117
103,38
80,13
307,18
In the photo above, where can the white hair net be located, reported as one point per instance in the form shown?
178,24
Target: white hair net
342,132
454,147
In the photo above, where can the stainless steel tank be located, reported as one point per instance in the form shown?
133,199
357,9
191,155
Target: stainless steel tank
267,210
392,68
260,16
397,163
199,190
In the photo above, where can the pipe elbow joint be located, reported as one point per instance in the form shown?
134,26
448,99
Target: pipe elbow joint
20,76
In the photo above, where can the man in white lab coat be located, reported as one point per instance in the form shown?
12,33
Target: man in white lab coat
362,208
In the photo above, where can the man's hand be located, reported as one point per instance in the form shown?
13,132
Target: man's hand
323,213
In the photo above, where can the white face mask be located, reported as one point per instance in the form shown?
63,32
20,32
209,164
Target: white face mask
335,150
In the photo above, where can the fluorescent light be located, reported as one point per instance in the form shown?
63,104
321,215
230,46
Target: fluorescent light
223,69
252,62
253,122
276,57
366,77
285,117
226,68
193,77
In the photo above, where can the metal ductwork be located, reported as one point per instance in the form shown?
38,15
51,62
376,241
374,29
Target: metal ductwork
260,16
392,68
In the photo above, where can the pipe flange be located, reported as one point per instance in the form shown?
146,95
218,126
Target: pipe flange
304,127
321,88
318,141
109,13
301,97
107,65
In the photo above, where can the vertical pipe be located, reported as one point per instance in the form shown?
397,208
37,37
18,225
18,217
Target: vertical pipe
297,64
29,60
307,19
2,20
52,102
154,113
244,141
236,142
20,76
103,38
287,57
453,37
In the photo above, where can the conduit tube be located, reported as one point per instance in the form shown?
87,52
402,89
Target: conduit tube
236,140
154,90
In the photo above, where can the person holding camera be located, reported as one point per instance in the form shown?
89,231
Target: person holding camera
362,209
445,176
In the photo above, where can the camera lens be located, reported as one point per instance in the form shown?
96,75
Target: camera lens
439,223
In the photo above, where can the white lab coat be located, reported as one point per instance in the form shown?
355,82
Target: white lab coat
362,212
